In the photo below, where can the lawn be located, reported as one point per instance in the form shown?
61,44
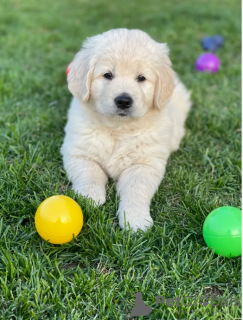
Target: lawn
89,277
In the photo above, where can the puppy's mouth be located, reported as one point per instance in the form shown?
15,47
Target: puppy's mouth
122,114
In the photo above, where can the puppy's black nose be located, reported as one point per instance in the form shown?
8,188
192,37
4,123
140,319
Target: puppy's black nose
123,102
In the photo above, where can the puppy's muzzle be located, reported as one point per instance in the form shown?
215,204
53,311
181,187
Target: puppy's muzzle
123,102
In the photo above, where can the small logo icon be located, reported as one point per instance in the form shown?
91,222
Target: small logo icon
140,308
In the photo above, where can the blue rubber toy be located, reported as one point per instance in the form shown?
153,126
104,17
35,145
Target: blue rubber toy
212,43
219,40
209,43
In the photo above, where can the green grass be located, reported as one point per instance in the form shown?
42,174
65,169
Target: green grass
89,277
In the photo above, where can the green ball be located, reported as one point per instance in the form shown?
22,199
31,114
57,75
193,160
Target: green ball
222,231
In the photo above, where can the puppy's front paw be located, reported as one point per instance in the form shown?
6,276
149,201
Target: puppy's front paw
136,217
96,193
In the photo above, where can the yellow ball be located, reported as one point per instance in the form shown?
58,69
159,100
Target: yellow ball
58,218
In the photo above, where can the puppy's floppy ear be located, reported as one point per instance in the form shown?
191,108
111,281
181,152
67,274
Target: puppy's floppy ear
165,78
80,75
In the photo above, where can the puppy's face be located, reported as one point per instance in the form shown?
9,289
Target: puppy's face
122,87
122,73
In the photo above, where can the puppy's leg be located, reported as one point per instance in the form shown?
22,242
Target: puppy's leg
136,187
87,178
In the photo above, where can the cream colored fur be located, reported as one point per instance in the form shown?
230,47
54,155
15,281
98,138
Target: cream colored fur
133,149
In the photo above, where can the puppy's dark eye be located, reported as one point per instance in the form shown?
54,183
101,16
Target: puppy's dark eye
108,75
141,78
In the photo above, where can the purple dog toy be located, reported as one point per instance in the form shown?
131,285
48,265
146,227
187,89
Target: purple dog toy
207,62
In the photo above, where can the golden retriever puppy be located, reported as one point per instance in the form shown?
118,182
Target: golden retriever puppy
126,117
